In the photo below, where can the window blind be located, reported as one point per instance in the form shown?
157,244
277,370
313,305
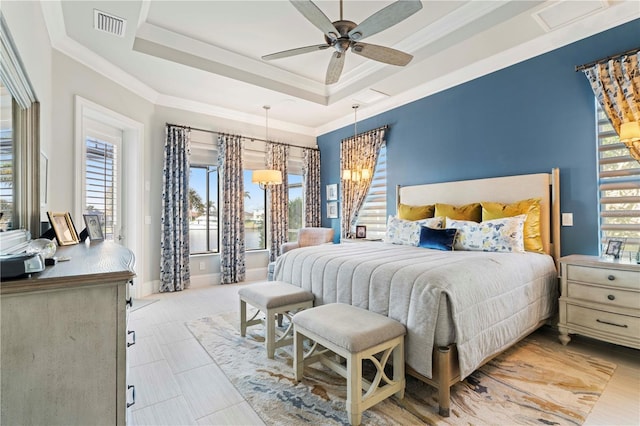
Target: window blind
101,190
373,213
618,188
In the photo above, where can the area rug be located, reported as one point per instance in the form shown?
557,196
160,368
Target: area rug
535,382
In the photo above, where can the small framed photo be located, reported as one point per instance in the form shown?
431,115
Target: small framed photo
614,247
94,229
361,231
332,210
332,192
62,225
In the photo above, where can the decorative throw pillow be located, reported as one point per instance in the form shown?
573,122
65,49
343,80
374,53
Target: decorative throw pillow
439,239
530,207
504,235
471,211
408,212
407,232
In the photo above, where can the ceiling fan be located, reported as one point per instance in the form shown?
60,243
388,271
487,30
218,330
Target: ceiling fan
342,35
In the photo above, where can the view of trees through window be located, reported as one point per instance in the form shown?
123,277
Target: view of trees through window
203,209
619,189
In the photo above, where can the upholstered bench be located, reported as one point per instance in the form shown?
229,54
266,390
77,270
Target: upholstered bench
274,299
354,334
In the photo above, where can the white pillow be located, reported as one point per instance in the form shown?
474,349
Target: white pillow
407,232
503,235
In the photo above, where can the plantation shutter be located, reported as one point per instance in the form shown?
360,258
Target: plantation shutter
101,183
373,213
619,188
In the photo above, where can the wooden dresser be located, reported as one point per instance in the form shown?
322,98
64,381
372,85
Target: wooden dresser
600,299
64,340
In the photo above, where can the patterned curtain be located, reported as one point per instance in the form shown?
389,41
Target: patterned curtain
174,268
232,256
616,85
357,153
277,155
311,183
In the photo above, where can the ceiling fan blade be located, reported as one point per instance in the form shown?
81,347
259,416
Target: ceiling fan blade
316,17
335,67
382,54
385,18
297,51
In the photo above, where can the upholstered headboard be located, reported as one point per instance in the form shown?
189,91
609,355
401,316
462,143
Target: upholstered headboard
508,189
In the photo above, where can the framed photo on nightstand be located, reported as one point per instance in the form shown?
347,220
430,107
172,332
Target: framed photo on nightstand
614,247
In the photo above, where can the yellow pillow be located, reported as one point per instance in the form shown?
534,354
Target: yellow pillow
408,212
471,211
530,207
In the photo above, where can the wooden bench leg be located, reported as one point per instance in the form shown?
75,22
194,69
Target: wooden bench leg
270,338
298,354
243,318
398,368
354,389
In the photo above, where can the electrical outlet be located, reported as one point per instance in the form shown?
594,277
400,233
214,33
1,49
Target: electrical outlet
567,219
202,266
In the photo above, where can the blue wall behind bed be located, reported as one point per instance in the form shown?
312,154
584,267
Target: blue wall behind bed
527,118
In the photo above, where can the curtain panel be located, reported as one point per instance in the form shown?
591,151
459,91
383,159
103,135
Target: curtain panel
232,245
357,153
311,184
616,85
277,156
174,269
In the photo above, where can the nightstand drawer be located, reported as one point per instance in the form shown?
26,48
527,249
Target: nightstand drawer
622,325
619,278
604,296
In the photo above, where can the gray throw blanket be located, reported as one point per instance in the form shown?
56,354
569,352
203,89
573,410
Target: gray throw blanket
494,298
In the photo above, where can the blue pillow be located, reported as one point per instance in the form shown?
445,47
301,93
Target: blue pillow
438,239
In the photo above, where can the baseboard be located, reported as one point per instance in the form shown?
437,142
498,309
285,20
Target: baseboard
200,281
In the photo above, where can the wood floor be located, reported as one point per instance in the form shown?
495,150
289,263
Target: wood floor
177,383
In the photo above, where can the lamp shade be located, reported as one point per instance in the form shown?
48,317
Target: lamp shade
266,177
365,174
346,174
630,132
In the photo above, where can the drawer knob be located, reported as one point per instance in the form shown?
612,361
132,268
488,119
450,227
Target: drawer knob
611,278
611,297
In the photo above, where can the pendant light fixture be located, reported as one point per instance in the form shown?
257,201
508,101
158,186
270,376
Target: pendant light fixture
355,175
266,177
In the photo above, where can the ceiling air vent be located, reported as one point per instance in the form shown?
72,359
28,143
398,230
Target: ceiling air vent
108,23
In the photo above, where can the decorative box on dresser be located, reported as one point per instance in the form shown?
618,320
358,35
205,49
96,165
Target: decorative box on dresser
64,340
600,299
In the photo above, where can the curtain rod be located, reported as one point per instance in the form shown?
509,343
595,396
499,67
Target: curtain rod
385,127
607,59
242,137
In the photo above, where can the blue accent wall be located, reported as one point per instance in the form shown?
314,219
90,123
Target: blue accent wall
527,118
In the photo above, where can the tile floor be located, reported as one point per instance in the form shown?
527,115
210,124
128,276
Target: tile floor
177,383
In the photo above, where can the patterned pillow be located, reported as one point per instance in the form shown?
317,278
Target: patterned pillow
504,235
530,207
407,232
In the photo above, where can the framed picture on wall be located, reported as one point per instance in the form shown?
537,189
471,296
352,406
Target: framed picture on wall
332,210
332,192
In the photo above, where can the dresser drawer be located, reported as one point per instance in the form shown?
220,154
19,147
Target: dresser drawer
626,279
622,325
604,296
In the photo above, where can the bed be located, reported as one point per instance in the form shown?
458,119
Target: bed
461,308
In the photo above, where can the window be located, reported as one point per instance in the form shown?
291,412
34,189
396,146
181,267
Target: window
6,160
255,201
101,183
373,213
203,209
619,188
296,206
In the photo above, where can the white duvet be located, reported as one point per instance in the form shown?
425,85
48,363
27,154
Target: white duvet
494,298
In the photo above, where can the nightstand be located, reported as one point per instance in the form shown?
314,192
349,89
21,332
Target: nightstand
600,298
